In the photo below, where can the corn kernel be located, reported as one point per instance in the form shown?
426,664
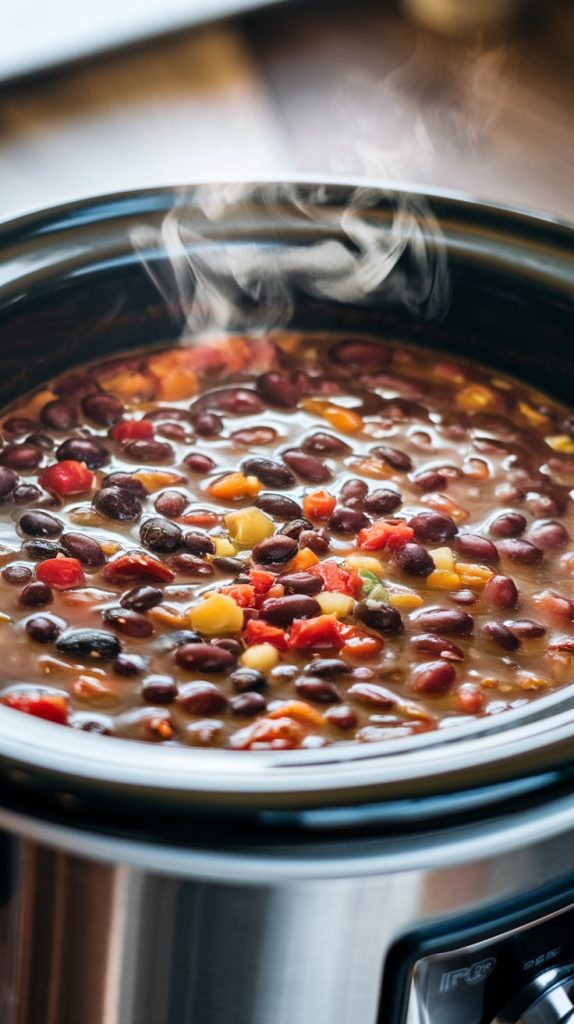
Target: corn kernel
561,443
333,603
406,602
443,579
248,526
155,479
217,613
109,547
366,562
167,616
373,468
475,398
223,547
474,576
345,420
443,558
6,555
262,657
4,617
235,487
442,503
86,517
535,418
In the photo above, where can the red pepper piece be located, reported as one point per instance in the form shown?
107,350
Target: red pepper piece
259,632
51,707
338,579
132,430
137,565
319,505
359,643
66,477
385,535
261,580
319,633
242,593
61,572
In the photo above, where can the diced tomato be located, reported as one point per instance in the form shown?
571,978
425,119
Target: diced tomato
50,707
319,505
67,477
338,579
385,534
469,699
266,734
360,644
134,566
259,632
242,593
61,572
261,580
320,633
132,430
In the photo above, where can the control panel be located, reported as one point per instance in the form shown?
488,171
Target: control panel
522,976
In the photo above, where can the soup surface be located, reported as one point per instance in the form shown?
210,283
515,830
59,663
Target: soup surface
282,543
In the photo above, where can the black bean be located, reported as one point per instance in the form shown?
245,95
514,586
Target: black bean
117,503
380,617
191,565
370,693
479,549
247,704
198,463
307,466
525,629
16,573
319,690
383,501
227,564
161,535
327,667
159,689
102,409
148,451
89,643
202,657
171,503
98,728
325,444
433,527
282,611
430,480
393,457
29,494
433,678
413,559
59,415
85,549
520,551
198,543
169,641
17,426
365,355
8,481
295,528
36,595
348,520
501,591
276,388
278,505
444,620
501,636
44,629
202,698
141,599
354,492
509,524
549,536
270,473
39,550
207,424
248,679
80,449
129,664
21,456
127,482
302,583
342,716
40,524
128,622
316,540
430,643
274,550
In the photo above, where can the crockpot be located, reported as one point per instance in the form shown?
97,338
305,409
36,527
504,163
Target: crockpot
419,881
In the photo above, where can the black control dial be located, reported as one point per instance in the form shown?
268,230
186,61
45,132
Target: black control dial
548,999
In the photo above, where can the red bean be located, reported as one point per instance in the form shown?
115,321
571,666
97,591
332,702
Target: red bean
272,550
207,424
247,704
308,467
348,520
520,551
510,524
129,664
233,401
321,691
85,549
501,591
301,583
245,680
250,438
197,543
168,413
17,426
103,409
525,629
276,388
549,536
434,678
479,549
383,501
198,463
270,473
202,699
413,559
430,643
430,480
29,494
433,527
380,617
8,481
204,658
343,717
316,540
44,629
393,457
80,449
295,527
546,504
327,667
141,599
173,431
129,622
191,565
35,595
21,457
362,354
444,620
278,505
501,636
127,482
158,689
354,492
171,504
370,693
16,573
58,415
282,611
148,451
321,443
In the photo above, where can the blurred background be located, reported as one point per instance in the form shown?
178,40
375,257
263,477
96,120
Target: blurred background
471,95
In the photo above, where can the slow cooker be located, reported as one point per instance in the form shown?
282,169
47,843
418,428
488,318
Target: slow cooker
428,881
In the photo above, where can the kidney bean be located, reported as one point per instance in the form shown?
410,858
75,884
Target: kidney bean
327,667
207,424
141,599
21,457
202,699
85,549
89,643
370,693
247,704
125,620
444,620
307,466
197,543
548,536
117,503
129,664
59,415
168,413
508,494
8,481
80,449
42,441
301,583
161,535
39,549
434,678
16,573
198,463
172,431
44,629
158,689
348,520
234,401
230,643
171,504
321,443
501,636
127,482
36,595
510,524
148,451
270,473
383,502
295,528
475,547
281,611
546,504
413,559
103,409
342,716
202,657
393,457
226,564
278,505
250,438
354,492
277,549
191,565
430,643
525,629
430,480
433,527
380,617
276,388
40,524
501,591
364,355
321,691
316,540
29,494
246,680
520,551
17,426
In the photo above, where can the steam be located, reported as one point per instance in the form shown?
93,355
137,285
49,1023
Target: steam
236,257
